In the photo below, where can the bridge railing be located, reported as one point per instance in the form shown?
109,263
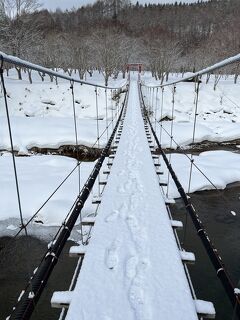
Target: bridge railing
195,75
26,64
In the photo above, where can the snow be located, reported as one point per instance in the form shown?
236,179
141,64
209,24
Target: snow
237,291
205,307
77,250
61,297
218,118
42,113
12,227
49,133
132,267
187,256
38,177
221,167
176,224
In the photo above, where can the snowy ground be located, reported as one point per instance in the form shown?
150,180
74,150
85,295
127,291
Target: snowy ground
42,113
218,110
221,168
38,177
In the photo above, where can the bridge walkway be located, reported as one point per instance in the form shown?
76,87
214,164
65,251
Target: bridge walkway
132,267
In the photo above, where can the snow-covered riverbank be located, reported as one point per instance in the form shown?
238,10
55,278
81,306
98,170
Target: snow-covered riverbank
218,112
38,177
42,112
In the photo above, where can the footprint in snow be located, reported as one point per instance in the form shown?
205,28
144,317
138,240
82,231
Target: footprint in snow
131,266
113,216
112,255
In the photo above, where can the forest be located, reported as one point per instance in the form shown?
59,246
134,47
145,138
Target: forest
110,33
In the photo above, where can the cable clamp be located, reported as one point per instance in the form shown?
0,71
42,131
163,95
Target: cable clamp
219,270
51,254
66,227
31,295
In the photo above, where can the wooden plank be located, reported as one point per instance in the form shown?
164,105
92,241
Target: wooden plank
187,257
88,221
163,184
61,299
77,251
205,309
102,183
176,224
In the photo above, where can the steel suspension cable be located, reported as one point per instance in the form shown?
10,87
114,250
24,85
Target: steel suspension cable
194,131
76,134
98,135
156,110
112,106
196,99
161,116
106,106
77,147
12,147
23,225
171,136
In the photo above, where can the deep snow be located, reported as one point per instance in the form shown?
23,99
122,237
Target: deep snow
218,112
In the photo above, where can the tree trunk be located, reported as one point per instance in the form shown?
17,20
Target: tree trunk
81,74
29,71
90,73
42,75
208,78
69,71
19,72
106,79
235,78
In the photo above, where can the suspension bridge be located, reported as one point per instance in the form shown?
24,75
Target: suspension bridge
131,264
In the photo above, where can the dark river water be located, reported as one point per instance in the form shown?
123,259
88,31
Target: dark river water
224,230
222,227
25,255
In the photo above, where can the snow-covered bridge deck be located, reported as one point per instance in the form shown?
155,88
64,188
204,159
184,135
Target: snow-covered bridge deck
132,267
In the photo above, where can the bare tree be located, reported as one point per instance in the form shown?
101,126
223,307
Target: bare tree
19,32
106,45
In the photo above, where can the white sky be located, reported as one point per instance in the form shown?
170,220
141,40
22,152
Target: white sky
68,4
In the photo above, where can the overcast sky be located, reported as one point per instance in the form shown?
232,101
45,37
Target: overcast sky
68,4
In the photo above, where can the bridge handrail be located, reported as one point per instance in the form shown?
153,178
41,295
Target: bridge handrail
206,70
26,64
